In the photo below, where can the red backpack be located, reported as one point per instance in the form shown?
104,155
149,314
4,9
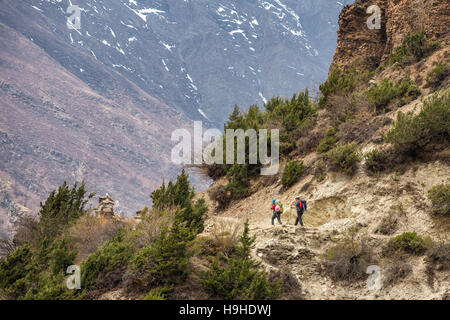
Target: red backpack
302,205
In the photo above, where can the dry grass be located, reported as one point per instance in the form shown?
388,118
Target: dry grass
6,247
342,107
150,227
290,286
438,259
91,232
220,196
347,261
225,236
388,225
27,231
395,271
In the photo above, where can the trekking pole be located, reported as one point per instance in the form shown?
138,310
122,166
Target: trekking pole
290,210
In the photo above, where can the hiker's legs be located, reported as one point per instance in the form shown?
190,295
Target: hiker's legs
300,219
279,218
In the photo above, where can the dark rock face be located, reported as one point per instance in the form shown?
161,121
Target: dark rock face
100,102
398,18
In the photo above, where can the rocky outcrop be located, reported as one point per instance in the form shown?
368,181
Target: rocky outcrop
370,47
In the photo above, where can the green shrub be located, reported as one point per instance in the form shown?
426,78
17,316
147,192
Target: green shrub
345,157
411,133
155,294
338,82
61,254
414,46
50,287
292,172
36,269
406,92
175,194
164,262
114,255
291,113
328,141
238,181
383,93
61,209
238,277
347,261
293,117
179,195
398,54
438,74
14,270
194,215
376,161
407,242
38,273
440,199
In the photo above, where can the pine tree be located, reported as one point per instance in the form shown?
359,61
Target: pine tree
183,192
238,277
61,209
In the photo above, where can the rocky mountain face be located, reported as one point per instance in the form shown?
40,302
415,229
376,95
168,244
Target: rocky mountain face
398,18
200,57
100,102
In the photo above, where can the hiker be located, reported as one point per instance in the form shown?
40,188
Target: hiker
300,205
277,210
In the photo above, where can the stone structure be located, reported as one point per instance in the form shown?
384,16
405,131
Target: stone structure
105,207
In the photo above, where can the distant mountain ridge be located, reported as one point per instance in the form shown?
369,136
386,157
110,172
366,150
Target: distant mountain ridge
201,57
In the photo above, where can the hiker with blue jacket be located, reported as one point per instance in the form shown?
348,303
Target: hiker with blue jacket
300,205
277,210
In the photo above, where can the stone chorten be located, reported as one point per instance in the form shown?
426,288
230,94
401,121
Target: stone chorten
105,207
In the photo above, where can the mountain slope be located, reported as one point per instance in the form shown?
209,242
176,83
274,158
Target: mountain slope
55,128
201,57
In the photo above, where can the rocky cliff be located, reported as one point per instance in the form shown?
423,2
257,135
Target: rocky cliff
371,47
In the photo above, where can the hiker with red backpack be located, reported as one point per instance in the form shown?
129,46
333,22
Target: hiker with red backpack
277,210
300,205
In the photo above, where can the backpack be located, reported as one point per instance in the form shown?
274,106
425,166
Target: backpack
280,205
303,202
303,206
